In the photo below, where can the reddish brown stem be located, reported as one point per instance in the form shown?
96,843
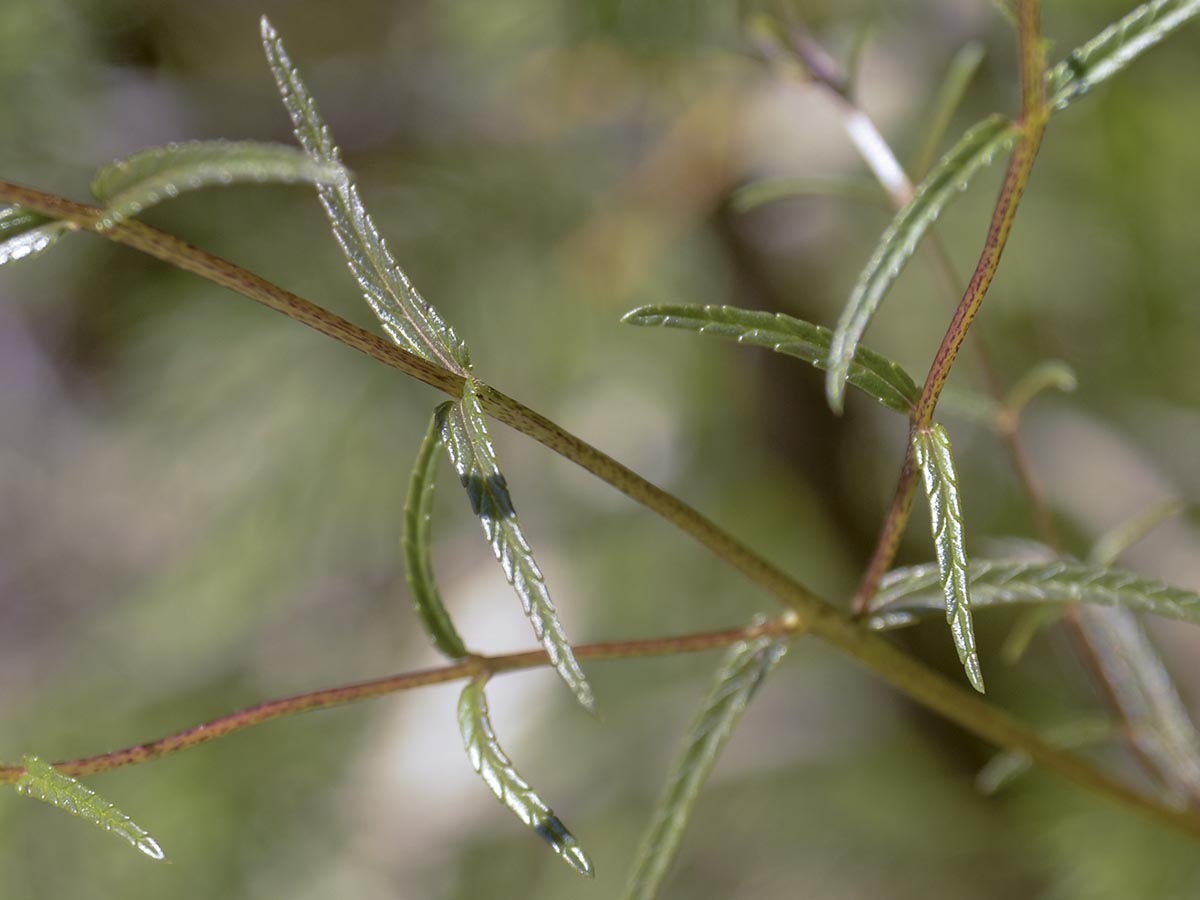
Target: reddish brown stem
367,690
1020,165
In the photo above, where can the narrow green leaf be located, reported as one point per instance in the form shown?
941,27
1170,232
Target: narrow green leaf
864,32
1007,765
418,558
43,782
954,86
1028,625
14,220
1116,47
745,667
410,321
493,765
1097,60
464,432
1048,375
904,594
1007,10
24,235
952,174
935,459
768,190
1155,717
878,376
128,186
1113,543
974,406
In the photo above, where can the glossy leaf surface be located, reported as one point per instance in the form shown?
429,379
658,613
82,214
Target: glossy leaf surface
906,593
464,432
407,318
418,556
745,667
494,767
952,174
128,186
43,782
874,374
935,460
1116,47
24,235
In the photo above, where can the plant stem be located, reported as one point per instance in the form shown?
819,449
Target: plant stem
366,690
873,652
826,73
1034,114
182,255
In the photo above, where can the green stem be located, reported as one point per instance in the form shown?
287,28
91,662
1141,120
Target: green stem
813,613
1034,114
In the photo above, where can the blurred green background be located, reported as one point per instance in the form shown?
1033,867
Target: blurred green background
200,501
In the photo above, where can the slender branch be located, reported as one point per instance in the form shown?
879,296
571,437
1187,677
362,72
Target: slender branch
182,255
882,161
1034,114
870,650
871,146
367,690
825,72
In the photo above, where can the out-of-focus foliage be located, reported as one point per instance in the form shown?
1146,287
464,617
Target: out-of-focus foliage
742,672
193,517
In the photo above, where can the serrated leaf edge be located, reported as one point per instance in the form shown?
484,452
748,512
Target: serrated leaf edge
129,186
912,590
950,176
492,764
874,374
743,670
1148,24
405,315
469,445
42,781
934,458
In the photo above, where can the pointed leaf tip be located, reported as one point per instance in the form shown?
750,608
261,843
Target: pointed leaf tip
496,769
131,185
44,782
1003,582
869,371
24,235
934,458
745,667
409,320
469,446
946,180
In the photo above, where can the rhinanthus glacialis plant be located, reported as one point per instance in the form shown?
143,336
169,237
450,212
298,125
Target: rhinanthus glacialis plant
1100,604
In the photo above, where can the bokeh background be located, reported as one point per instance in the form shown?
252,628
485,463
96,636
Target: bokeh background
200,501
